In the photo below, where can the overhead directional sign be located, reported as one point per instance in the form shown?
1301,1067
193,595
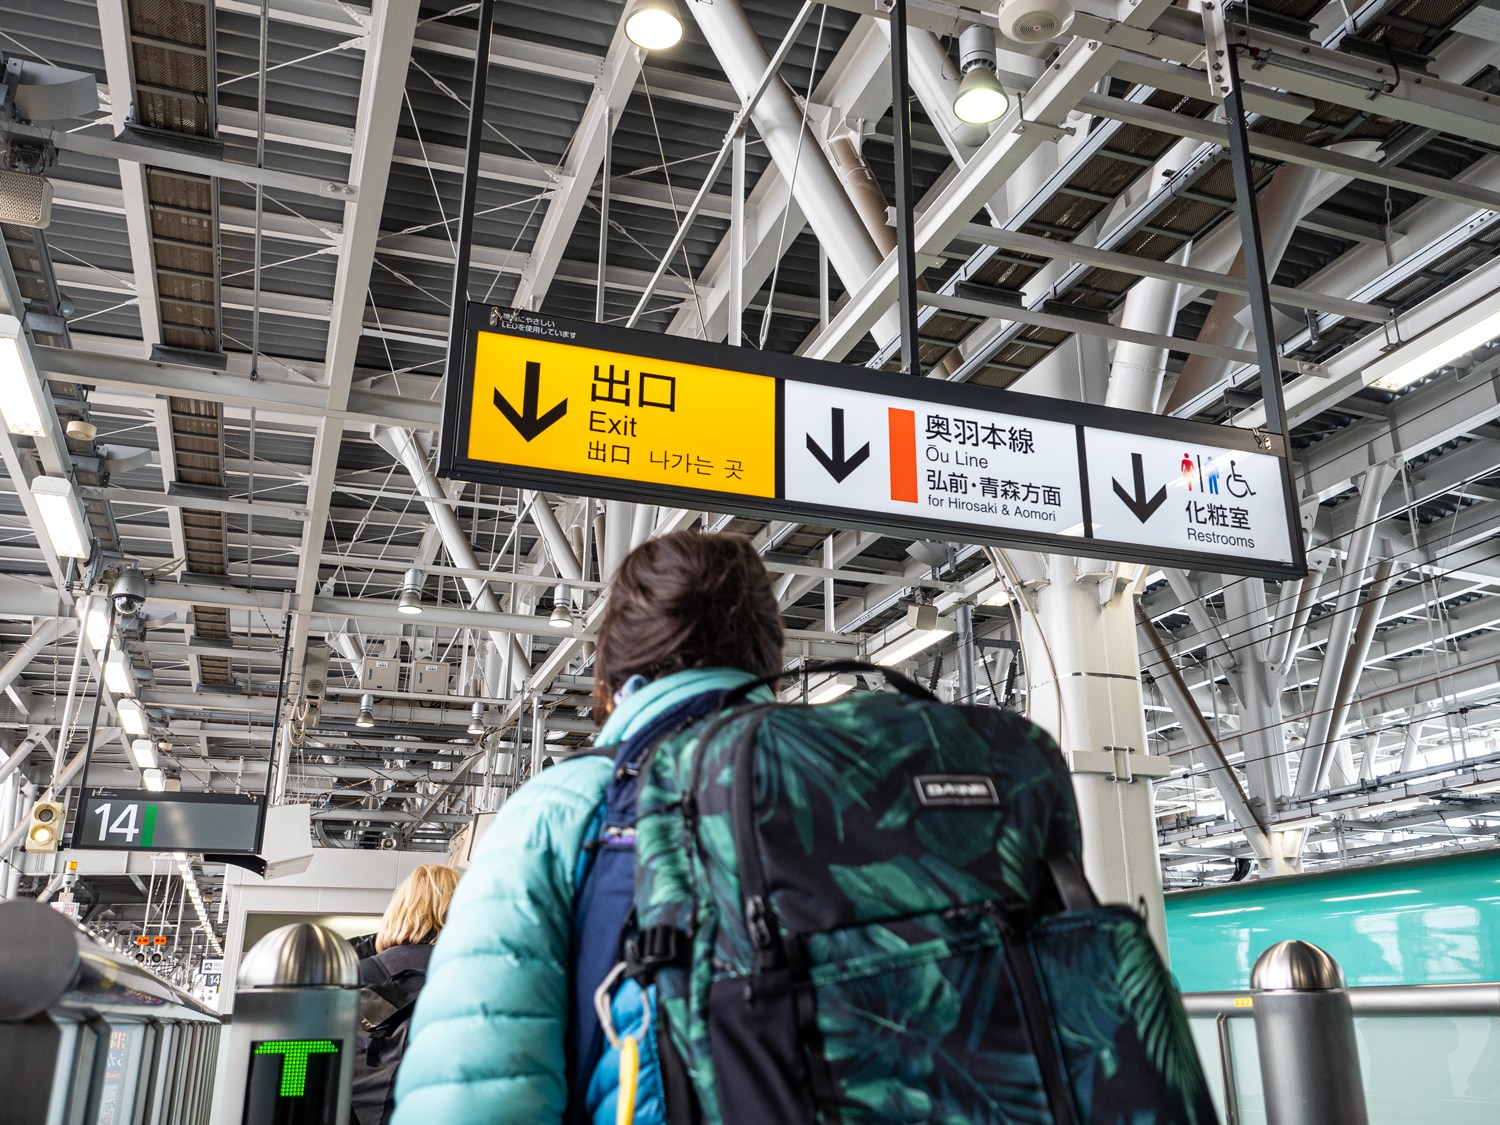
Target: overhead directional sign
595,410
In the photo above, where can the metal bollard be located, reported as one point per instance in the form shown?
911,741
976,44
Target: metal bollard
1304,1030
289,1054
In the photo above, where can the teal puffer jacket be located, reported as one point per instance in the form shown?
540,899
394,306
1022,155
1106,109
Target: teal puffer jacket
487,1037
489,1034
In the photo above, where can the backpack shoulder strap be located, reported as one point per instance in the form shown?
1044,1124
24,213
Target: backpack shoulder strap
903,684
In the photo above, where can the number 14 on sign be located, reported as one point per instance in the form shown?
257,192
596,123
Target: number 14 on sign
123,825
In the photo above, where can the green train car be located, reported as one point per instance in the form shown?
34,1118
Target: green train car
1420,921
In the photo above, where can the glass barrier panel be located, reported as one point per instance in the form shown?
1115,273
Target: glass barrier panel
1426,1069
1443,1069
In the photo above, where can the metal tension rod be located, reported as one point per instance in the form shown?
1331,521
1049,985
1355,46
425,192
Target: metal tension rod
464,244
1256,279
906,246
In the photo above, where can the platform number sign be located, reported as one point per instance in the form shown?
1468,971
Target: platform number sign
130,820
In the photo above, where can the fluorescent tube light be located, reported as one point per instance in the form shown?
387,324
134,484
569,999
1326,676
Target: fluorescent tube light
62,516
132,717
94,613
155,780
119,677
1441,344
834,687
909,644
21,400
143,750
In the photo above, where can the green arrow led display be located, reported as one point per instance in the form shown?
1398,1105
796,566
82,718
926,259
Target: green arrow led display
294,1054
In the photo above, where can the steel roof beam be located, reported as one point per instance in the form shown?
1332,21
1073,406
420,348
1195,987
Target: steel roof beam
1293,152
382,86
1057,92
595,132
1212,280
193,163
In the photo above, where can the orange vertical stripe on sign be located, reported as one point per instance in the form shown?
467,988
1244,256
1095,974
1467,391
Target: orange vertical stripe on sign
903,455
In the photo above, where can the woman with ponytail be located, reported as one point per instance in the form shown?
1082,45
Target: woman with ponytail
506,1030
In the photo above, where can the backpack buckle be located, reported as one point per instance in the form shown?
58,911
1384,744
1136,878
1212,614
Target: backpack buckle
655,948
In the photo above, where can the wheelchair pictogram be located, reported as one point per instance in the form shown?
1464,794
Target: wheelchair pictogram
1236,484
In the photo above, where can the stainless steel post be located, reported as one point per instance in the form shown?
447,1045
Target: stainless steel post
289,1053
1304,1030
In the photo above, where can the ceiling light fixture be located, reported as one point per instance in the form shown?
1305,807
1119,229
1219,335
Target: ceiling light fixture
21,401
1444,342
155,780
476,718
62,516
909,644
94,613
980,98
143,750
119,676
132,718
410,601
834,687
562,612
653,25
366,717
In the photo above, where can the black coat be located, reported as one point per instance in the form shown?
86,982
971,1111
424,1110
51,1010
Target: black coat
389,983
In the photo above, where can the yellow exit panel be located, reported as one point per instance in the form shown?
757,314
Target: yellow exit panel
575,409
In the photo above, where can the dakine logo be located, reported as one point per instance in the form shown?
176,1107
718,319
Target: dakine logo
955,789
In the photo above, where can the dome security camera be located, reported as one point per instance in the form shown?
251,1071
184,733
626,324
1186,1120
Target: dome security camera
128,592
1034,21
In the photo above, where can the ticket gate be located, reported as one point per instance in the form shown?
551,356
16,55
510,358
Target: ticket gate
288,1056
90,1037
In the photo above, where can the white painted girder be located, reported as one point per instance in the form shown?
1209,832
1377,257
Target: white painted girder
594,133
382,85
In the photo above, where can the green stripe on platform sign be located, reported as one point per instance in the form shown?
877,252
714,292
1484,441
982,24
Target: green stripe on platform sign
148,826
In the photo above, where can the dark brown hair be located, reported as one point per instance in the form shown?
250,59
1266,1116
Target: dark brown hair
687,600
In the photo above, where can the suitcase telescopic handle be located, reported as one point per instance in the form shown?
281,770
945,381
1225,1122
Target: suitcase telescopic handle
903,684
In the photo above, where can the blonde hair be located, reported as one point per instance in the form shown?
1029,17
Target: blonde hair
419,907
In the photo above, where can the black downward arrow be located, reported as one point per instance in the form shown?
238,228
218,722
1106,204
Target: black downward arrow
527,424
1143,508
838,467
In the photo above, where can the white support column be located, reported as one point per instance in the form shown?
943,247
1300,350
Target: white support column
1313,768
1281,204
778,121
1083,669
404,446
1137,370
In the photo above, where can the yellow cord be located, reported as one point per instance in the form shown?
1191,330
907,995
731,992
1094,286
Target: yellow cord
630,1068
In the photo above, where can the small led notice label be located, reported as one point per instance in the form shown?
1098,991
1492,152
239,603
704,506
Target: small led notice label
294,1054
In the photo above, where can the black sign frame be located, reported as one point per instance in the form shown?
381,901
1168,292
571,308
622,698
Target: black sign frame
453,461
93,798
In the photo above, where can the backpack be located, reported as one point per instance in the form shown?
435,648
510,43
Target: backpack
873,910
386,1001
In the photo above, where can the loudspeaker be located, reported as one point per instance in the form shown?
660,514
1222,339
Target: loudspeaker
25,200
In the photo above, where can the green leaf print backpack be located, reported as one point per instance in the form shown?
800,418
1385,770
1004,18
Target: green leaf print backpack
873,911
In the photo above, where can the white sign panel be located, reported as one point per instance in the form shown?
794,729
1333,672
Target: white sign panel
923,460
1186,496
